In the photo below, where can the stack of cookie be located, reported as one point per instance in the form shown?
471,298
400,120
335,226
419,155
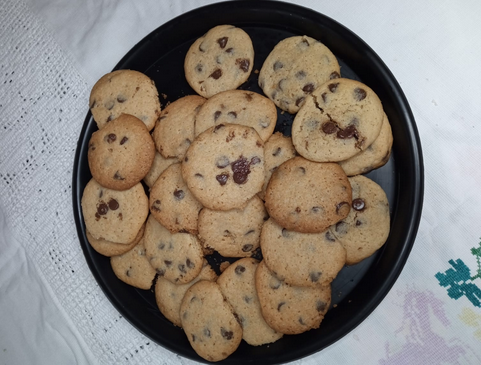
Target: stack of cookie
209,173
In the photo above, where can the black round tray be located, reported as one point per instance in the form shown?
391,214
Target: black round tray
358,289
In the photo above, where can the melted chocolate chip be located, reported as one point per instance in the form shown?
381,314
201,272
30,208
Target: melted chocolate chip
324,97
113,204
329,127
222,178
217,114
329,237
308,88
240,269
125,139
315,276
247,248
349,132
241,169
278,65
222,162
229,50
168,263
110,138
358,204
300,100
217,127
222,42
243,64
334,75
359,94
230,137
333,87
228,335
102,209
216,74
179,194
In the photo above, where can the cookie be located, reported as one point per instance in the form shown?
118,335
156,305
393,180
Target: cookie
238,107
290,309
168,296
108,248
172,203
133,267
208,322
237,283
178,257
125,91
224,166
306,196
158,166
294,69
235,232
373,157
277,149
174,131
301,259
337,121
121,153
367,226
114,215
220,60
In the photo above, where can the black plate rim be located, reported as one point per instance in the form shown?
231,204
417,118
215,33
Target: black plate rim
417,178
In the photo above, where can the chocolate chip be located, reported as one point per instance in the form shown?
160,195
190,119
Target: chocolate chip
222,178
181,268
110,138
358,223
179,194
278,65
341,206
110,118
329,127
201,47
207,332
321,306
125,139
222,42
275,284
168,263
358,204
228,335
308,88
229,50
324,97
161,272
301,321
113,204
240,269
243,64
120,216
217,114
101,193
315,276
199,175
279,306
334,75
316,209
297,210
227,233
127,273
186,159
300,74
92,146
329,237
255,160
193,337
302,169
217,127
285,233
300,100
341,227
222,162
247,248
216,74
232,114
121,99
247,299
249,232
333,87
109,104
102,209
117,176
248,96
199,68
161,245
349,132
241,169
264,124
277,152
359,94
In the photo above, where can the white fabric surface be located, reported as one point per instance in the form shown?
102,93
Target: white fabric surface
53,51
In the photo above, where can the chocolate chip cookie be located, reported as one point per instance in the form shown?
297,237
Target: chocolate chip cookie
294,69
220,60
341,118
224,166
306,196
125,91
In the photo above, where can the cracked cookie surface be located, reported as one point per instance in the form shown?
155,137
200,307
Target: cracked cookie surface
294,69
339,119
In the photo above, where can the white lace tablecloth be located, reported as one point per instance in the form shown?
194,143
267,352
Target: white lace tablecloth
52,51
